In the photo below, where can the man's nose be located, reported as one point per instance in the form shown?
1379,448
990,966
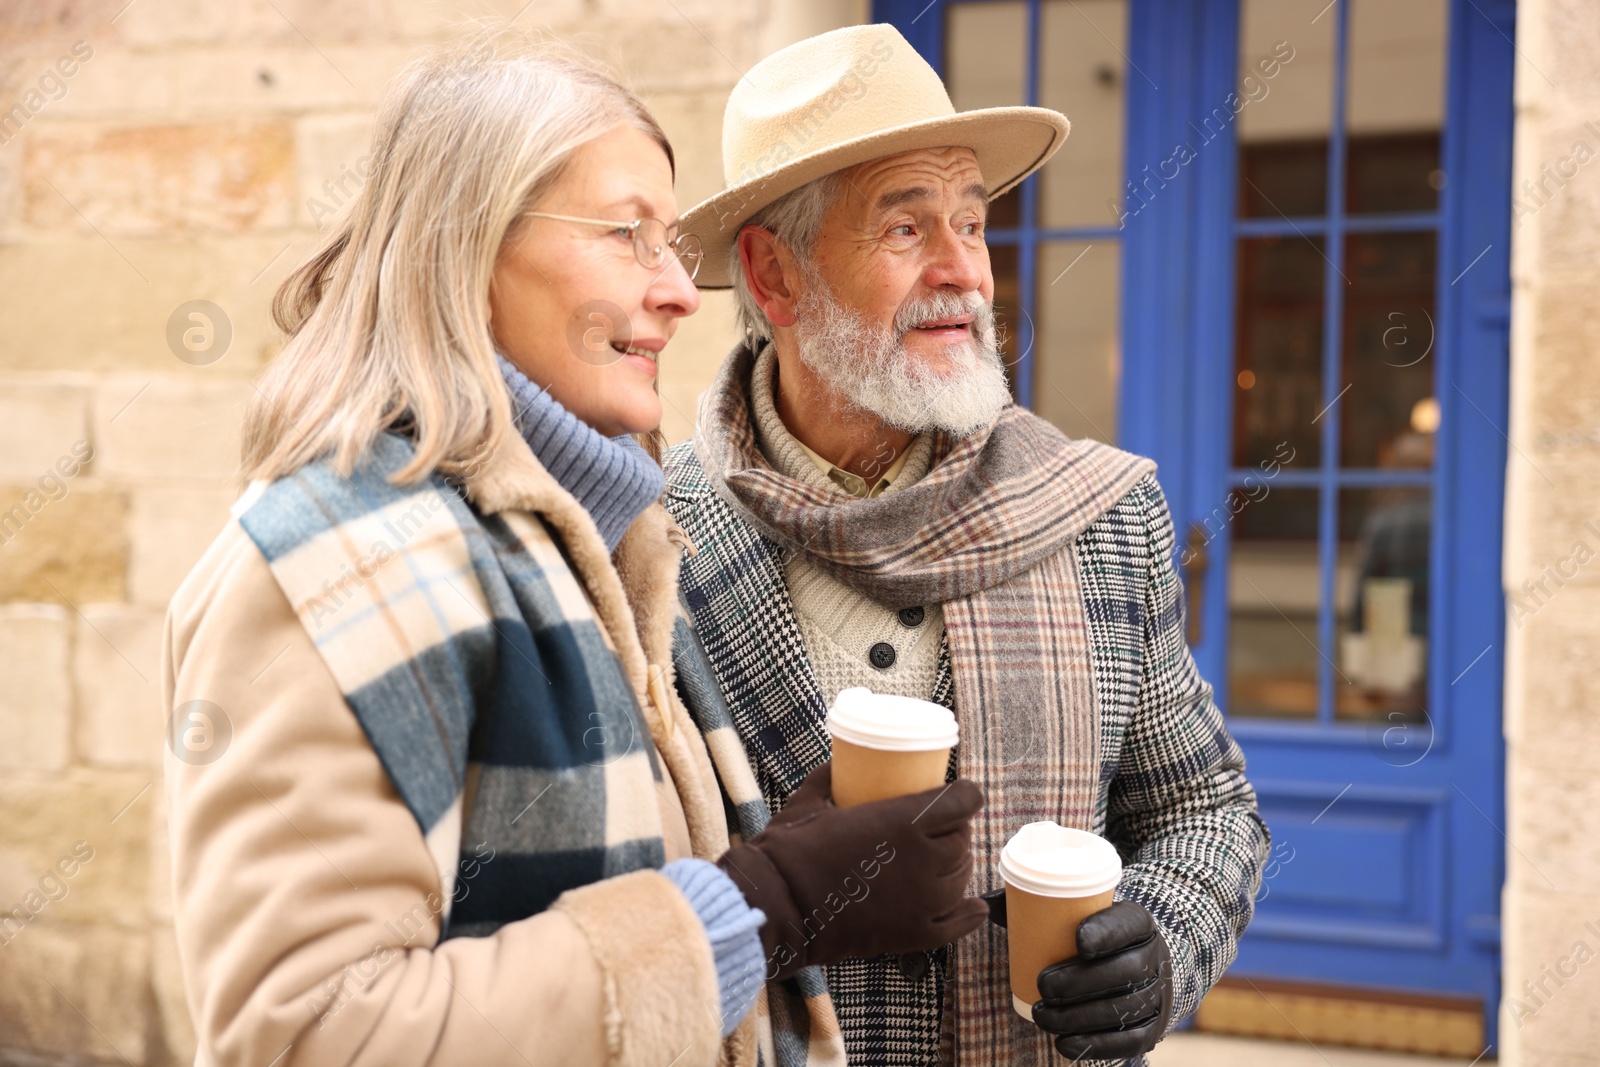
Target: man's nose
953,262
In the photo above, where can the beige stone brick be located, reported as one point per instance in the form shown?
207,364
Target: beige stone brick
704,14
169,427
1543,929
35,699
332,161
1554,815
10,185
446,18
1557,494
117,679
64,551
172,1006
1552,690
39,424
45,818
86,304
160,902
693,123
76,993
1564,410
190,22
51,23
691,361
788,21
671,51
153,179
1572,28
168,531
94,63
1569,222
233,81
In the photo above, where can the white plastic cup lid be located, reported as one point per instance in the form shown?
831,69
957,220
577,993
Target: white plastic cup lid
890,723
1057,861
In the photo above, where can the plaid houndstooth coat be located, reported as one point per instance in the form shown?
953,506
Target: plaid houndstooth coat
1173,796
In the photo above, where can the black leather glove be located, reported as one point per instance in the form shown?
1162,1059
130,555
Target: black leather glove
888,876
1113,1001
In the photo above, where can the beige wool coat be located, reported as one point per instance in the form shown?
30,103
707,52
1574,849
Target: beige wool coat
308,901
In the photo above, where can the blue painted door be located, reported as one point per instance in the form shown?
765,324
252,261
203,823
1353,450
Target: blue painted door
1274,255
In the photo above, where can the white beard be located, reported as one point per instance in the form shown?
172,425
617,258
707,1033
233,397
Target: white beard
869,366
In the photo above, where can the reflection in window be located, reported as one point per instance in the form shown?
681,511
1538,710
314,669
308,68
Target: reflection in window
1383,599
1388,343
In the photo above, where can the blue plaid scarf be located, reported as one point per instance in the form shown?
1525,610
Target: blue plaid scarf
483,681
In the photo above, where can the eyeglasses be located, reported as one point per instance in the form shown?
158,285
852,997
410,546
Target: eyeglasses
650,241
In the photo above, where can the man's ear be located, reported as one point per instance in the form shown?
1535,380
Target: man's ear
768,270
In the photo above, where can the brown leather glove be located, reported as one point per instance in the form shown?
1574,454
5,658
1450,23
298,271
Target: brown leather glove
889,876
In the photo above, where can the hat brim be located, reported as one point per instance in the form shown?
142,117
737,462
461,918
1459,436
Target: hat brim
1010,143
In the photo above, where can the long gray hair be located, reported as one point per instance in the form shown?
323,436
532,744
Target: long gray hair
389,317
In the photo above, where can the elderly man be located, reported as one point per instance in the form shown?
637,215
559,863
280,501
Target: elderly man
868,508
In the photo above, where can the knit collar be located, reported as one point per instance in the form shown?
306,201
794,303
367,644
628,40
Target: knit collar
788,456
612,477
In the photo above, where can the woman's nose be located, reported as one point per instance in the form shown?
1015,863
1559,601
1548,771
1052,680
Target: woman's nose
673,291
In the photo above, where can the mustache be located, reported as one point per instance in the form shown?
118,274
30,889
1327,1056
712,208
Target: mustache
941,305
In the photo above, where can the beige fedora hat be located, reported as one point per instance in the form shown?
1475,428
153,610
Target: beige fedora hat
842,98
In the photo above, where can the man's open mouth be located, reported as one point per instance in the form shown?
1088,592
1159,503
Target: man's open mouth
959,322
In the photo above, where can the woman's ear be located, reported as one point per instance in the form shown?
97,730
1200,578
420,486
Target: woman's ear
768,271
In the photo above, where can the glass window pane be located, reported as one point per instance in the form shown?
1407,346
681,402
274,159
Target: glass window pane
1383,604
1076,359
1389,414
1393,172
985,54
1283,106
985,65
1007,305
1396,104
1283,179
1082,73
1273,594
1278,350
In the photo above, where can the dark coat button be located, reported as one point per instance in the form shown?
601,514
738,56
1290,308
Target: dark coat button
914,965
881,655
912,616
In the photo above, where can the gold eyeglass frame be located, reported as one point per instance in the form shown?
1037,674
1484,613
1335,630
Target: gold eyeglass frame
685,246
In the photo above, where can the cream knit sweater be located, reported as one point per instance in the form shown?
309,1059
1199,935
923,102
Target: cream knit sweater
841,628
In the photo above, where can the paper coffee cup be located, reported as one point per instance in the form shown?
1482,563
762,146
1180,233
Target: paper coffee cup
1054,877
887,746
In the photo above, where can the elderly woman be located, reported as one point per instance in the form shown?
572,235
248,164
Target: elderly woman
462,814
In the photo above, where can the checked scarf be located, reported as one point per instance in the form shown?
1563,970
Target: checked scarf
987,534
481,677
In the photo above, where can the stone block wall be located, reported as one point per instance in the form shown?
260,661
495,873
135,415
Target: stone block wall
154,153
1551,910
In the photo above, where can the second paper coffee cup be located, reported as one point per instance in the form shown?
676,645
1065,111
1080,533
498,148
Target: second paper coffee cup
887,746
1054,876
